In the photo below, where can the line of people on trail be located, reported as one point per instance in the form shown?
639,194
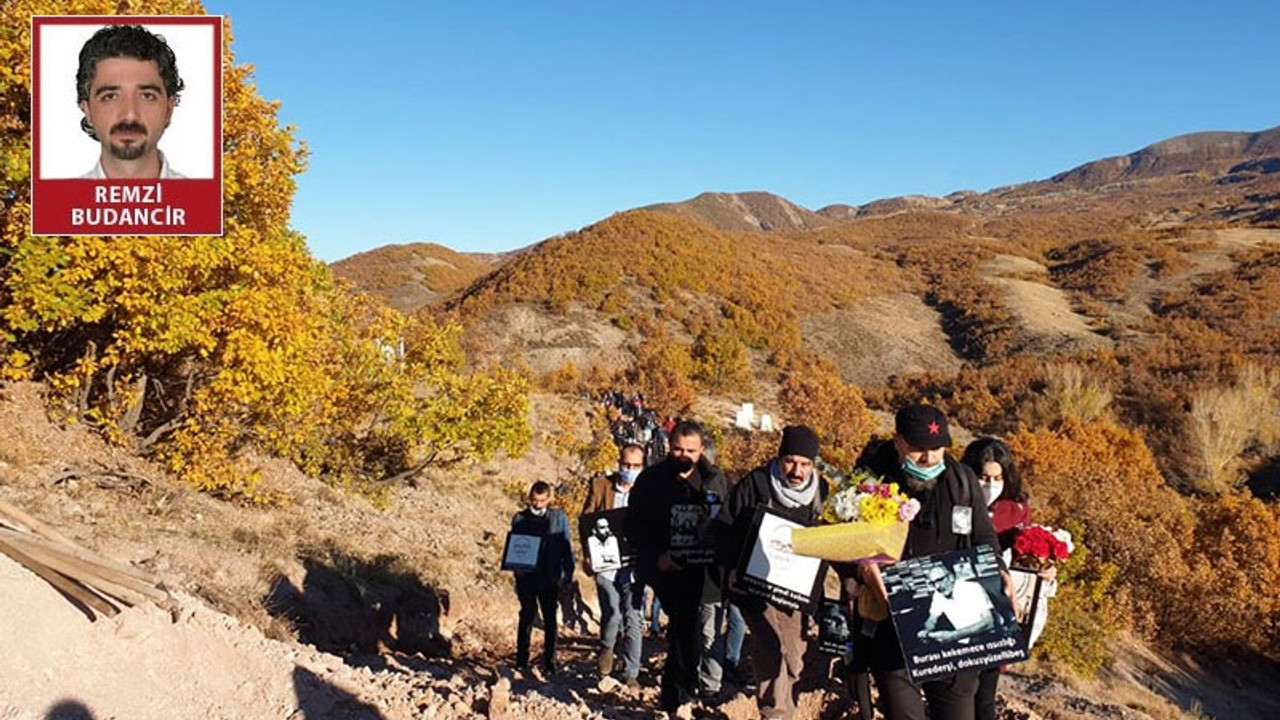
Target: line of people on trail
690,566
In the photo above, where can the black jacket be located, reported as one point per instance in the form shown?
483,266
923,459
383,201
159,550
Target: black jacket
931,530
735,519
648,522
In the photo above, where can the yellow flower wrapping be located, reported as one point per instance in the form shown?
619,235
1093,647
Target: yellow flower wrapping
847,542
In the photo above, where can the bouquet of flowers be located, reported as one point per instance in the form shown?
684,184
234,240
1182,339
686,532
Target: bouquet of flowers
1038,547
866,518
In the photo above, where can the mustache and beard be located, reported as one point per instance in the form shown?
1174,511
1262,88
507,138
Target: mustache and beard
133,149
916,485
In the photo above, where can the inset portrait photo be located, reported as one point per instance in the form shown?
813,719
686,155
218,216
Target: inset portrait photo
127,125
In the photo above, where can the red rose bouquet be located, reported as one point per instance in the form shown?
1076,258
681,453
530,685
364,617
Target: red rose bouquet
1038,547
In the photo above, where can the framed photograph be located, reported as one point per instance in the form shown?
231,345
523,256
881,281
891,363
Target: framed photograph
521,552
834,633
692,542
768,569
122,145
1033,602
952,615
603,543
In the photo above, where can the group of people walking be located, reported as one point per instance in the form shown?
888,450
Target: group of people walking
687,526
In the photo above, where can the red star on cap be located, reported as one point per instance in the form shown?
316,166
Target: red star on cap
933,428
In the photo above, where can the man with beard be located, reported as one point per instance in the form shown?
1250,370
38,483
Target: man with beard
790,486
669,526
127,87
948,492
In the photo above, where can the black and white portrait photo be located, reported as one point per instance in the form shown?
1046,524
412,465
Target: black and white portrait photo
603,543
952,614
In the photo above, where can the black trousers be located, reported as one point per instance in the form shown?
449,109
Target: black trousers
948,699
680,594
531,599
986,698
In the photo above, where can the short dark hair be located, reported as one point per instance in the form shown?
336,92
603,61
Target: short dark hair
629,447
541,487
125,41
989,449
688,428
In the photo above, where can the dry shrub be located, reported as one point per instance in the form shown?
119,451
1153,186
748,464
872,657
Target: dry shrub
1102,477
1230,597
739,451
661,371
1217,433
1068,393
1225,422
813,394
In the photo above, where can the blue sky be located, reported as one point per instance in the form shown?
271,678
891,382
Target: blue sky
488,126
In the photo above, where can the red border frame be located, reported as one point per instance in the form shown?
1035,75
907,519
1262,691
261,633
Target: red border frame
200,199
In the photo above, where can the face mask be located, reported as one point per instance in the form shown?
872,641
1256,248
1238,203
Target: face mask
992,490
539,512
628,475
684,464
924,474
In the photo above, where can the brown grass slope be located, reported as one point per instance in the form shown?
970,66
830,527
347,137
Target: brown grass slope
411,276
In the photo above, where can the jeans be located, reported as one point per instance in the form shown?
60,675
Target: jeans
733,638
711,667
655,612
622,609
531,599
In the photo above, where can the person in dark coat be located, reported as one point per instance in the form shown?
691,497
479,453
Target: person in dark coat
952,517
669,527
540,588
789,485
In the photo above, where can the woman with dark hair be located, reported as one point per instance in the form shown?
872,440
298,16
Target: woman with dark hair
991,460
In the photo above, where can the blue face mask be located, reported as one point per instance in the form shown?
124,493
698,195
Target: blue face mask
922,474
628,475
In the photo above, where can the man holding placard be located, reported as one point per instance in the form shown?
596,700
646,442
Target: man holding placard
620,594
539,578
773,606
669,526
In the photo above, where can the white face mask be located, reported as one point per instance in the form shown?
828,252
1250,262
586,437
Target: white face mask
992,490
538,511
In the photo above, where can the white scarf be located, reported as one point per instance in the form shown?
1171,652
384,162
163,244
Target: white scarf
789,497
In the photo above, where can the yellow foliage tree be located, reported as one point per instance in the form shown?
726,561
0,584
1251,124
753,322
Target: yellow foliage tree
199,347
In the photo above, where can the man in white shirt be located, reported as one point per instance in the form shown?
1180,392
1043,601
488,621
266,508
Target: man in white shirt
965,604
127,86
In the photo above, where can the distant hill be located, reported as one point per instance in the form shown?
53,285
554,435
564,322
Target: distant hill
745,211
412,276
1211,153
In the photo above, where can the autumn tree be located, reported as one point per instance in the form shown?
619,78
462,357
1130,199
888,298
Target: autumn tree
812,393
198,348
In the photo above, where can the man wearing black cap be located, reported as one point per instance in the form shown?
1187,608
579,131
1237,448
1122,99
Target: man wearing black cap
948,492
790,486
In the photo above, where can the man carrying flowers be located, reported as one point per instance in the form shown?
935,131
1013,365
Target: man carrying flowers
789,485
952,516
